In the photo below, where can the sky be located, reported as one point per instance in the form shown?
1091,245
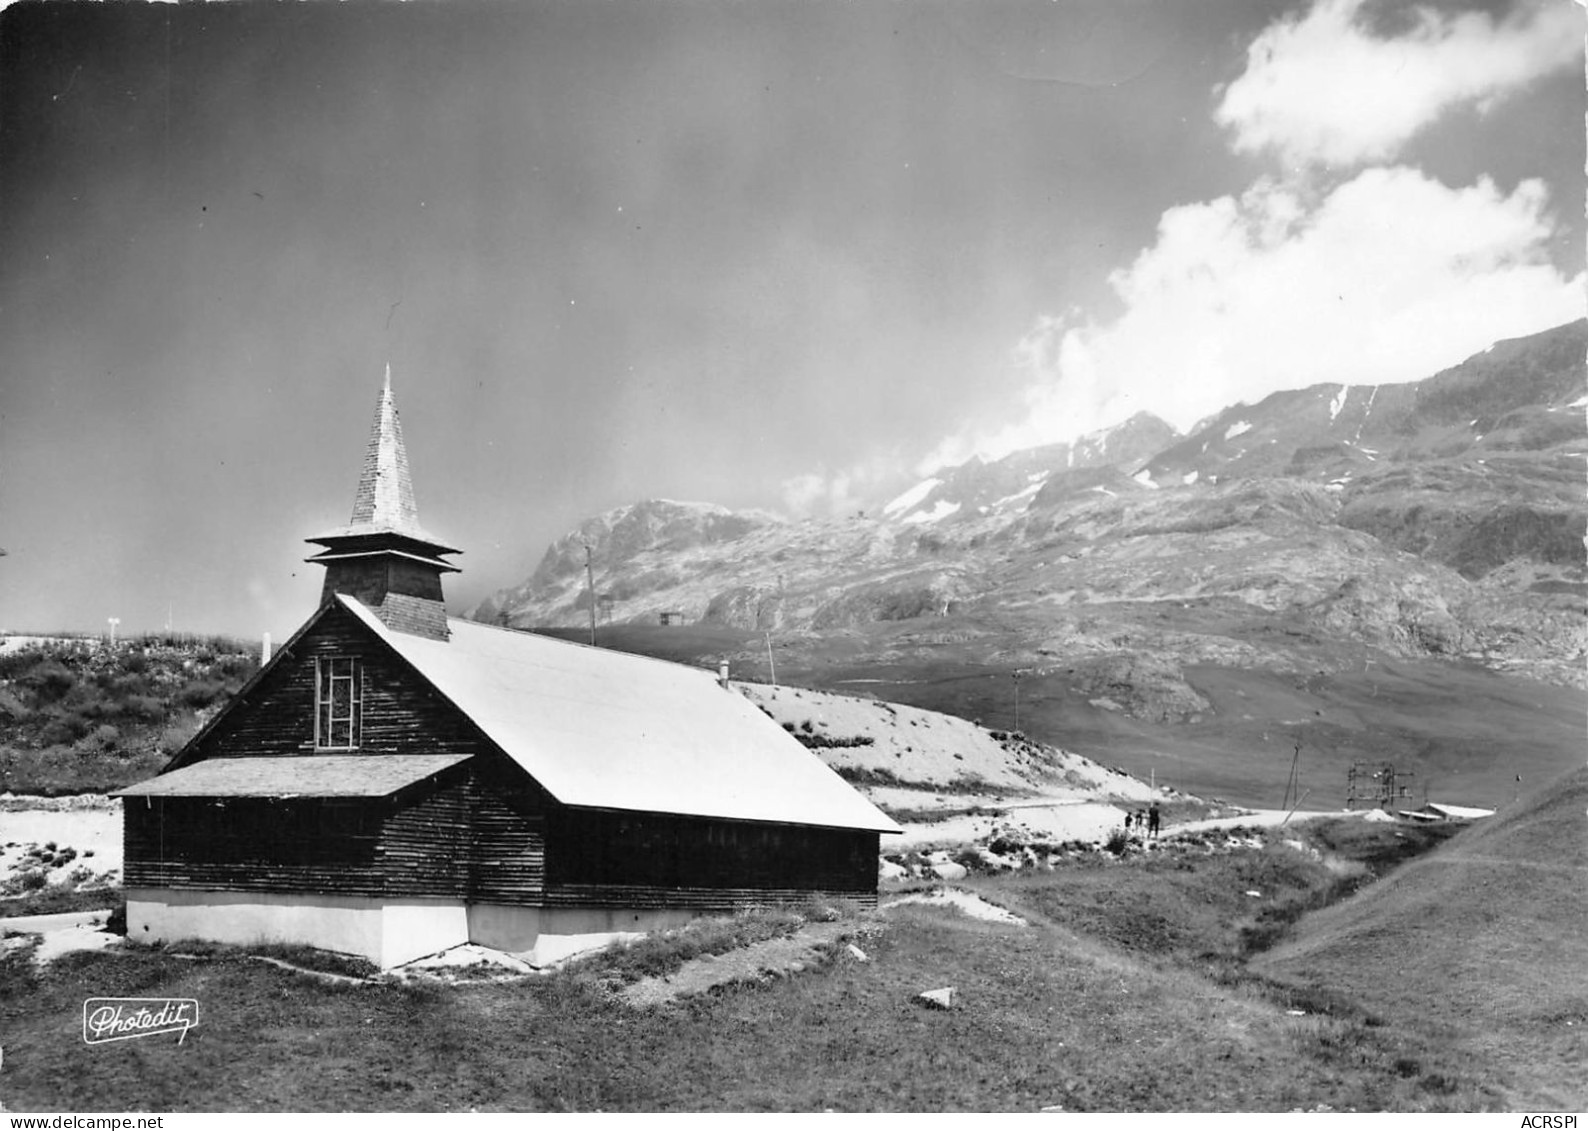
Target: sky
778,255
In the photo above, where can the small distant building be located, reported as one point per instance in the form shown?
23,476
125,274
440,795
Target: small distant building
1434,811
395,782
671,618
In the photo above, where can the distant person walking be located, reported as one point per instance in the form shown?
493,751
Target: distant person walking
1152,820
1129,818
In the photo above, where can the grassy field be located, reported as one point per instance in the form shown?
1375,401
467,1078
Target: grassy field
1464,733
1130,989
1486,938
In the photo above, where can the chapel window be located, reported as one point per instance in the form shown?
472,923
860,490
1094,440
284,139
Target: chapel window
338,703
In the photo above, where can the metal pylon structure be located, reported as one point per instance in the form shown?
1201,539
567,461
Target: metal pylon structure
1378,784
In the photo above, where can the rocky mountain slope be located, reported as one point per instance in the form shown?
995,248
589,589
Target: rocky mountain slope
652,530
1332,534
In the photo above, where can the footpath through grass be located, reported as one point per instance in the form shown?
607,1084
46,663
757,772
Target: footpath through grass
1126,992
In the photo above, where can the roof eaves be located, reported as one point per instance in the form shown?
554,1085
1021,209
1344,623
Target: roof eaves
331,556
891,829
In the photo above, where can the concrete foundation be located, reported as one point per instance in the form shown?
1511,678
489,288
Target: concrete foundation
387,933
543,936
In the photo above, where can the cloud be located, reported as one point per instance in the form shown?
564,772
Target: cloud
1320,88
1389,277
1350,275
844,492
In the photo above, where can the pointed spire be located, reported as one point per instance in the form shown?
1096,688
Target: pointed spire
385,496
383,558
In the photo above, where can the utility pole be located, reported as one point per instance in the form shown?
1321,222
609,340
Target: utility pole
1293,786
770,665
114,621
589,573
1017,701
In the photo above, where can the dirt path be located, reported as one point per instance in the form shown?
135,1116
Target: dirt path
770,959
1264,818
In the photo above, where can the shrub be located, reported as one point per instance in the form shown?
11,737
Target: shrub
33,879
145,707
203,693
1118,841
64,729
970,859
50,680
238,668
176,736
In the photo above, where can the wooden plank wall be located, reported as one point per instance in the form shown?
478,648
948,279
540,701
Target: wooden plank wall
452,841
646,897
507,862
679,854
402,713
253,844
424,844
464,840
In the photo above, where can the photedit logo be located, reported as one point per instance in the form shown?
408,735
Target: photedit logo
122,1018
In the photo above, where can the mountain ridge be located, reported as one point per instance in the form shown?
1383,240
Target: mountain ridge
1477,468
1422,541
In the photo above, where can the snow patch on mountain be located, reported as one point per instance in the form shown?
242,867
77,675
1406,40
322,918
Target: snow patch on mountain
1010,500
1338,402
911,497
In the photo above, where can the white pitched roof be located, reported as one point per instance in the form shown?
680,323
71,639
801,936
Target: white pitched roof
611,730
1463,812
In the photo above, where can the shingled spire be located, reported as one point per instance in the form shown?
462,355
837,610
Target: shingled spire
383,557
385,495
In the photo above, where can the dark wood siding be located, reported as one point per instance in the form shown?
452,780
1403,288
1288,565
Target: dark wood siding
453,840
641,897
254,844
508,851
402,713
424,845
653,860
